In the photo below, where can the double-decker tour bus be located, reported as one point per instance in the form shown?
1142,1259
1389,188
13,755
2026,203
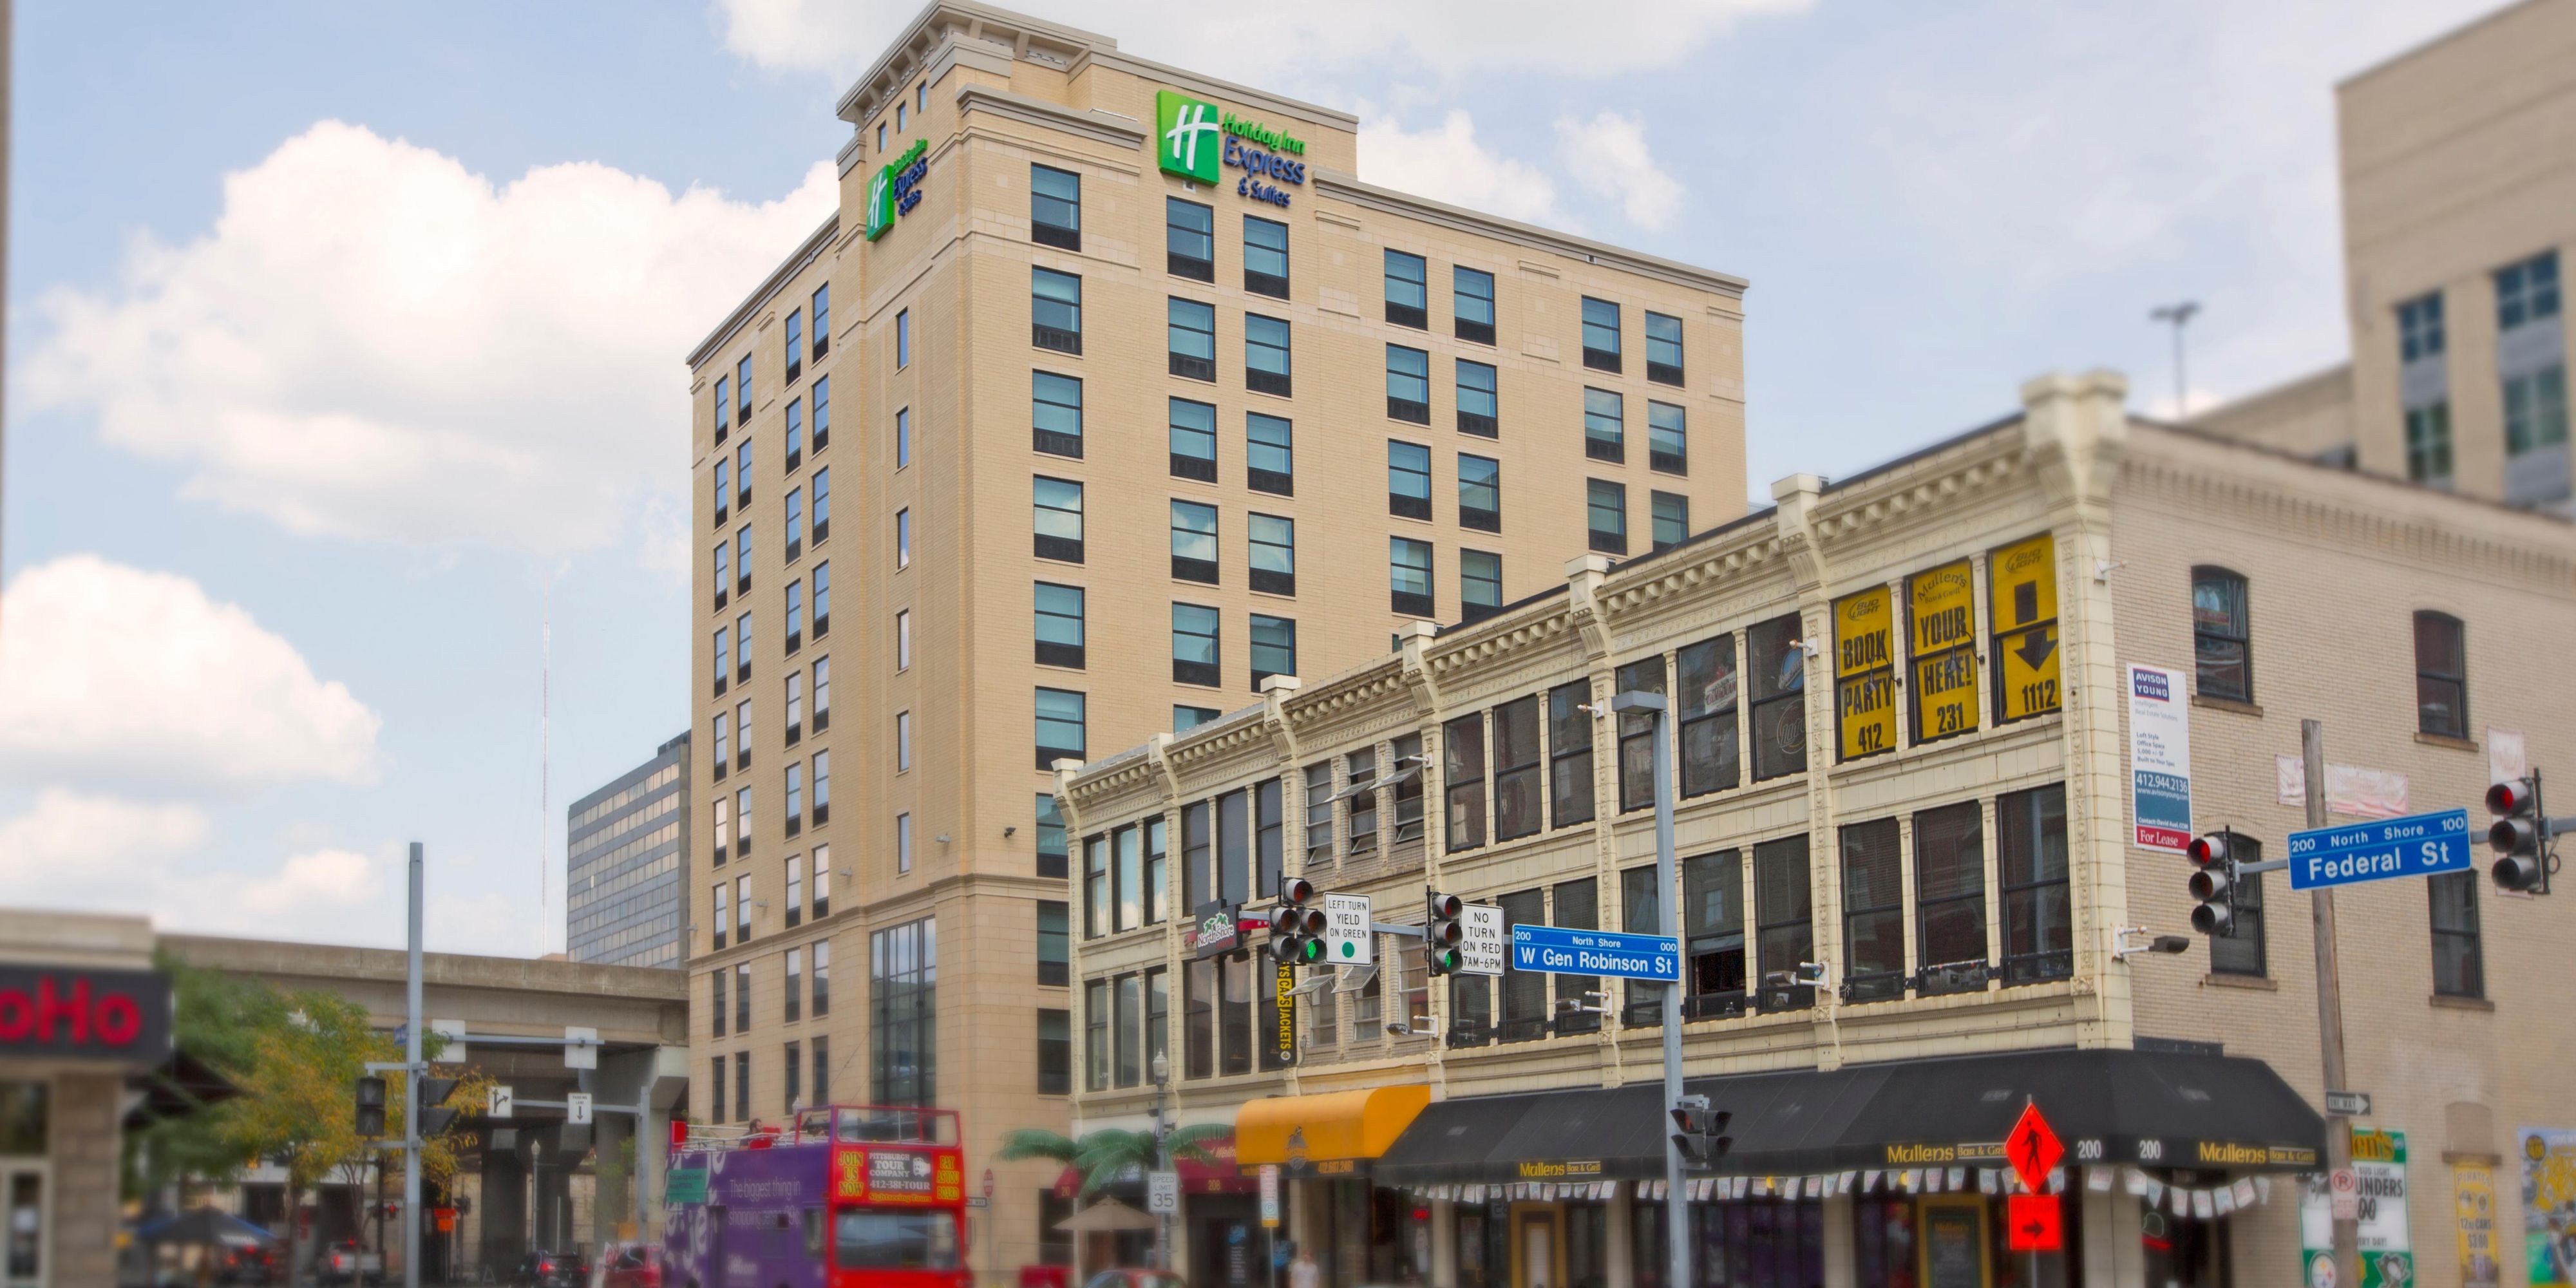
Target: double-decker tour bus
849,1196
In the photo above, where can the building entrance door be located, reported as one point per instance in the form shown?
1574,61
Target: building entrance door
1534,1263
27,1198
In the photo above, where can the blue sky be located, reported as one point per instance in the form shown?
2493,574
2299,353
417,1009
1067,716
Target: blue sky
344,341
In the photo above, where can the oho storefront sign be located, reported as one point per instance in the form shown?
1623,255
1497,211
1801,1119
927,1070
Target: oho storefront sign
1194,140
58,1011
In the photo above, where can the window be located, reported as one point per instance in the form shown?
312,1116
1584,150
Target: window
1055,310
822,694
1055,208
742,560
1127,1016
903,532
1637,733
794,343
742,476
724,494
1193,440
742,933
2221,635
1478,410
2441,676
1407,781
1605,425
1667,438
898,118
1524,993
1408,384
1663,349
822,1045
1194,542
1360,800
822,909
903,337
1516,769
1578,907
1480,493
795,983
903,437
1189,240
1273,552
742,734
1198,1016
720,922
902,741
795,615
742,391
1706,709
1472,303
1059,625
2243,948
2459,960
1155,863
1060,726
716,1084
1779,679
1873,912
1480,584
742,1084
1058,519
1671,512
795,798
1191,337
1185,716
1785,936
902,844
2527,292
795,433
1319,814
921,97
2428,444
795,525
1569,754
822,505
1274,648
2420,332
724,744
1606,515
724,409
1052,848
1270,457
903,1012
1130,866
1265,355
1463,744
1195,655
822,788
1056,413
2038,919
1600,334
1095,887
1408,480
822,324
741,644
903,639
1265,257
1409,576
822,403
822,599
1055,1052
1405,298
2535,412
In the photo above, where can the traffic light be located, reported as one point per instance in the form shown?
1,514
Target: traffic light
1441,931
1296,929
371,1106
433,1094
2519,835
2213,883
1699,1132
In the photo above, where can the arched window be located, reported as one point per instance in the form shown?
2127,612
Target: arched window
2441,675
2222,635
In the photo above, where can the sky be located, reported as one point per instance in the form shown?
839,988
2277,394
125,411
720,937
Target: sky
347,420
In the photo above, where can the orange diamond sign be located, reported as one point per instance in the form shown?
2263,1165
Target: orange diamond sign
2033,1150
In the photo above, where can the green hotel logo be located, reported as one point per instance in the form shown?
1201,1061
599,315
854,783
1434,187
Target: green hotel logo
896,188
1186,136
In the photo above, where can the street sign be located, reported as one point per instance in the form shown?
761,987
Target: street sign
684,1185
988,1182
498,1104
979,1200
453,1051
1559,951
1347,941
1270,1194
2348,1104
581,1047
1163,1193
2033,1149
577,1108
1216,929
2417,845
1481,951
2035,1225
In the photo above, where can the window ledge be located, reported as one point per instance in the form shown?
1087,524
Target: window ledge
2226,704
2222,979
2447,1002
2446,740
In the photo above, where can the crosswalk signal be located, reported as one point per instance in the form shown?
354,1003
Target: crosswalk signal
434,1117
1296,929
1441,931
2213,883
1699,1132
2519,836
371,1106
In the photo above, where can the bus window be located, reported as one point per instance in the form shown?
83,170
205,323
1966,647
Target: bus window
814,1234
866,1239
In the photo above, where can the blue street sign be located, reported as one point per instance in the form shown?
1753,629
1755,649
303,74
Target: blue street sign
1559,951
2415,846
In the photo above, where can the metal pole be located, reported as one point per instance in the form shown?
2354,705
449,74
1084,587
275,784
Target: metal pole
411,1087
1668,905
1162,1163
2321,904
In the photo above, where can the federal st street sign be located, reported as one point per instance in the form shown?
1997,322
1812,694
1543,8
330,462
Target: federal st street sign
2419,845
1559,951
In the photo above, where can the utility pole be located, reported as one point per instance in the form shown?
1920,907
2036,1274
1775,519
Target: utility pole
415,1067
2179,316
2321,904
1668,909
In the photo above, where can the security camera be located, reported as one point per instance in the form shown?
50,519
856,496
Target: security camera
2171,944
1396,1028
1009,832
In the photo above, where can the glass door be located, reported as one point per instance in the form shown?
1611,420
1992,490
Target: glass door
26,1259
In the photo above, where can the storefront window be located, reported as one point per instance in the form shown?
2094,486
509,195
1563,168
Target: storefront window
1883,1247
24,1111
1713,917
1783,903
2038,917
1753,1243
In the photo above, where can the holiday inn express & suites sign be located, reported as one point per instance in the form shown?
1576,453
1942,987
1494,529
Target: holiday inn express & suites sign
1196,141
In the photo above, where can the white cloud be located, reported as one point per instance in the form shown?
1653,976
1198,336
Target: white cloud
327,878
1609,157
71,847
373,341
80,851
1448,164
1450,38
110,673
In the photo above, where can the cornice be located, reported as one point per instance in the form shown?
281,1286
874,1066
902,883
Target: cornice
1099,126
815,244
1341,186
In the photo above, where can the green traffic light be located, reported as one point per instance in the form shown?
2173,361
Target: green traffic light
1310,950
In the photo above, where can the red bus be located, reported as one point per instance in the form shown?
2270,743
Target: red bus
848,1196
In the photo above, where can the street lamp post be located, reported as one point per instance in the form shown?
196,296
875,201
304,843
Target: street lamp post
1162,1159
1668,909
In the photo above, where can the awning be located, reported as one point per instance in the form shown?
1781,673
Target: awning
1334,1127
2149,1108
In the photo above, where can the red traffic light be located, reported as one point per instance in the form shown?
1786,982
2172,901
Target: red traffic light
2511,798
1297,890
1445,906
2209,851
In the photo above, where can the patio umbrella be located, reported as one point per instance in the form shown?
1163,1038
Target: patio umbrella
1106,1216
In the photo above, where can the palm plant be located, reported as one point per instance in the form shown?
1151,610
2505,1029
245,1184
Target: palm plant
1105,1155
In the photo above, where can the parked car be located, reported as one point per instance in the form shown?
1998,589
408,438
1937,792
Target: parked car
350,1263
549,1270
1135,1279
246,1263
629,1265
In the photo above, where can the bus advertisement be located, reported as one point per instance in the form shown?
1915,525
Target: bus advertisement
850,1196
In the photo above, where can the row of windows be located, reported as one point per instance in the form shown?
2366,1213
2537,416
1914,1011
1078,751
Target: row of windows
732,652
623,797
799,1003
2526,292
733,814
903,978
796,910
733,400
732,477
2532,376
792,1059
2222,632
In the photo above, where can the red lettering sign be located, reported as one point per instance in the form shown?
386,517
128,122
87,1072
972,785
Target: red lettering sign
59,1011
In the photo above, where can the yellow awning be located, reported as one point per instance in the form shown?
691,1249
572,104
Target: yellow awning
1331,1125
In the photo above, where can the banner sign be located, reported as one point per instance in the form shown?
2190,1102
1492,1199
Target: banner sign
2387,1256
2473,1213
2159,759
1940,607
2549,1206
1864,674
2021,581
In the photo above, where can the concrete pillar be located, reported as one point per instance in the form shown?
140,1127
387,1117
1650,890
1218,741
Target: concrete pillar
1623,1233
1840,1272
2113,1256
502,1207
611,1136
84,1153
1444,1245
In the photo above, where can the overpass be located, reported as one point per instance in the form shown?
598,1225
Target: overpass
525,1164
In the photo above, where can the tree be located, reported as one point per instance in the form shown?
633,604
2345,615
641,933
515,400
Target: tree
1105,1155
298,1106
217,1019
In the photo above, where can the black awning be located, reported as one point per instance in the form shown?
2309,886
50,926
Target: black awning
2150,1108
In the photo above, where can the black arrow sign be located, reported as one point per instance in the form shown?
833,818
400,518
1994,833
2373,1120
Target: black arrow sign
2036,647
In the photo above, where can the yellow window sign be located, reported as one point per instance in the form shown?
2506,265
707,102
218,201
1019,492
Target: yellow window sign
2022,592
1940,606
1865,673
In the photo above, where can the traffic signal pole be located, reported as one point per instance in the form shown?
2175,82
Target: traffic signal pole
1668,910
2321,905
411,1090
